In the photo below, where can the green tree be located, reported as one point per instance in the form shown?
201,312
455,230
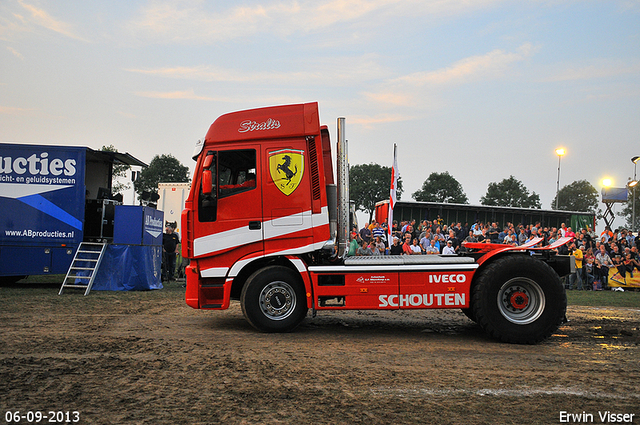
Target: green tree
578,196
119,171
369,184
441,187
510,193
162,168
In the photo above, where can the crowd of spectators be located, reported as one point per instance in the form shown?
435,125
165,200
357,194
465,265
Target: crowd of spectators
594,254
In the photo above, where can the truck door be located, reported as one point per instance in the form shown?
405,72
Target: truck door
287,206
229,212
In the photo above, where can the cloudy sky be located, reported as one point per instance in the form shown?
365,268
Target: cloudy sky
483,89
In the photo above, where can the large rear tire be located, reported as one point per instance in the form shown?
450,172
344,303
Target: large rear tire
469,313
519,299
273,300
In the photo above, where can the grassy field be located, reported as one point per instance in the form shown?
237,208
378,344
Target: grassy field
629,299
604,298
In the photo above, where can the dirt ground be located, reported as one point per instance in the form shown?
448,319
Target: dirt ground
147,358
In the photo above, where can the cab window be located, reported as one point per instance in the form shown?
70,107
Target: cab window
224,174
237,172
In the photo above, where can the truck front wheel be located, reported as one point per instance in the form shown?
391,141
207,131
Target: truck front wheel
519,299
273,300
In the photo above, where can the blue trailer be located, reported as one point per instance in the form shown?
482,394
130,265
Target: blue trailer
51,199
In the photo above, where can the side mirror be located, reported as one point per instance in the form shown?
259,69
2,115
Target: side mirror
207,182
209,173
208,160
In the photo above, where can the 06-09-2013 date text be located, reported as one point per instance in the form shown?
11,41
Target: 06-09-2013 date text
37,416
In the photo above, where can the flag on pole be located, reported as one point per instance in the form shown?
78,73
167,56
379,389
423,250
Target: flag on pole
392,200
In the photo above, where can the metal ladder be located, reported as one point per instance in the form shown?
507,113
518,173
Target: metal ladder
84,266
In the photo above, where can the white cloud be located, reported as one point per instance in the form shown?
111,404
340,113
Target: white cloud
10,110
12,25
127,114
194,20
188,21
15,52
197,73
420,88
15,23
42,18
372,121
179,22
488,66
322,71
390,98
187,94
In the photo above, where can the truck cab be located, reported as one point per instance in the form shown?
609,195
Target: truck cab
258,194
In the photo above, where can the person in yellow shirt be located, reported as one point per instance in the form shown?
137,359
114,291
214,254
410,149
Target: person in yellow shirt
578,254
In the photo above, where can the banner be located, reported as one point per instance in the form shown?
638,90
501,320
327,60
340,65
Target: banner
42,194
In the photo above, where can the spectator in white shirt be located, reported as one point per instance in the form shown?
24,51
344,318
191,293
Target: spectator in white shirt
448,249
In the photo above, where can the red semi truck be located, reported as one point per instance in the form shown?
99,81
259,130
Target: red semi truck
265,223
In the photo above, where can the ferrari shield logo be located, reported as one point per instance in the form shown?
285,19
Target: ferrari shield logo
286,167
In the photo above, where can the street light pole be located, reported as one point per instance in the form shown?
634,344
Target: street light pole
633,184
559,152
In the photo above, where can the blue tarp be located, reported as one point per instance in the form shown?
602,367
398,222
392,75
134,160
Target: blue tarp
130,268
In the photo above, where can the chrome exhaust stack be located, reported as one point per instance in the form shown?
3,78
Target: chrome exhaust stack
343,190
